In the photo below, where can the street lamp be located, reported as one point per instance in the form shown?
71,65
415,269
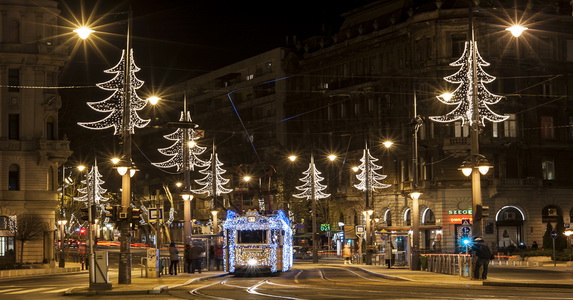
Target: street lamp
62,227
215,222
367,214
91,261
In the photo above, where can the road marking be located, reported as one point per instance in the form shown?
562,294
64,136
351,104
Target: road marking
57,291
9,290
25,291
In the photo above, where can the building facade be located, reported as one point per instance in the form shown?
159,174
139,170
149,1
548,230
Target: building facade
30,148
360,86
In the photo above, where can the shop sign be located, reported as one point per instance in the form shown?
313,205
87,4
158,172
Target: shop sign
460,212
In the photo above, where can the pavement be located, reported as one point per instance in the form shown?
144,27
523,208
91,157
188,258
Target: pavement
559,276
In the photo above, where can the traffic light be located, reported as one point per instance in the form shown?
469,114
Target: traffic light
482,211
111,212
135,214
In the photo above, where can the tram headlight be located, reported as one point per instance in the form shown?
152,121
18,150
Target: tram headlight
252,262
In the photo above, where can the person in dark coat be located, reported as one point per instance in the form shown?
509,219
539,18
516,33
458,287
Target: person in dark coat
187,258
196,252
483,256
174,257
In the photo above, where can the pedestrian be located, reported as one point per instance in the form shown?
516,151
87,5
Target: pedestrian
483,255
218,256
388,253
534,245
187,257
174,257
347,254
196,257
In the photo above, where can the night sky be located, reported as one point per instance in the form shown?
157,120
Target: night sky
173,40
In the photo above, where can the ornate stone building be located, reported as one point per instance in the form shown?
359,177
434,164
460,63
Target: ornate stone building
30,149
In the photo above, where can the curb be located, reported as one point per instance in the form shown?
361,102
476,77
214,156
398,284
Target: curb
526,284
389,277
156,290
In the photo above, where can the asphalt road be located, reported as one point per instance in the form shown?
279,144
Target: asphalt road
305,281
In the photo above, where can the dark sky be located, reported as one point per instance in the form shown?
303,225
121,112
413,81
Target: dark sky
174,40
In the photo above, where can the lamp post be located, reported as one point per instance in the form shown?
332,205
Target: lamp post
415,193
367,214
91,241
215,222
62,257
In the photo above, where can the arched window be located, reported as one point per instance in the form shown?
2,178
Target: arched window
14,177
428,217
408,217
388,217
551,213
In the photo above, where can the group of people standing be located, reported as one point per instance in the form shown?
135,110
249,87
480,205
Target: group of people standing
193,257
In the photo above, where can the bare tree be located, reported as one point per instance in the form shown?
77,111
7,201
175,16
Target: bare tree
28,227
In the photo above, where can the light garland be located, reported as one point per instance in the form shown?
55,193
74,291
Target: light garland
212,180
368,177
94,182
175,151
463,95
306,188
265,254
114,104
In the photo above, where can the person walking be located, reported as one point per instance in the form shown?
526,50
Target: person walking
535,245
218,256
483,255
187,258
196,252
174,257
388,253
347,254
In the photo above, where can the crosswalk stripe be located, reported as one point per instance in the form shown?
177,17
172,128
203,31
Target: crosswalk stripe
57,291
9,290
27,291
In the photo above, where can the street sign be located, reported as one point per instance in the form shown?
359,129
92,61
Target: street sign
155,214
200,133
359,229
466,230
554,234
466,222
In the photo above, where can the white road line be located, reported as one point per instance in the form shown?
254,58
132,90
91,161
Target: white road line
25,291
9,290
57,291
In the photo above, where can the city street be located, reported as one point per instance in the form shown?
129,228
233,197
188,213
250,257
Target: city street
309,281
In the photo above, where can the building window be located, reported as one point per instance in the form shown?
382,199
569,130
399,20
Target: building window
458,44
11,32
50,129
6,246
4,223
461,131
509,127
548,169
14,177
547,131
388,218
13,80
14,126
407,217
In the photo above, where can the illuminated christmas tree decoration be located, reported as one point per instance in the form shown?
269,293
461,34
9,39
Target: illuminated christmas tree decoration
369,179
93,186
175,151
463,96
213,179
264,254
114,104
312,176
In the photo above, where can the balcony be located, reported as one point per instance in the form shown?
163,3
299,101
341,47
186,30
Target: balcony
457,144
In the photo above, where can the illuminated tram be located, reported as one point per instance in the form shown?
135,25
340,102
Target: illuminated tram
257,243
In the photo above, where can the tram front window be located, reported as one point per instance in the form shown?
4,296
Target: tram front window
252,236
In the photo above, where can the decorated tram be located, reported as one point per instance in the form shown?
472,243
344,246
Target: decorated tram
257,243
